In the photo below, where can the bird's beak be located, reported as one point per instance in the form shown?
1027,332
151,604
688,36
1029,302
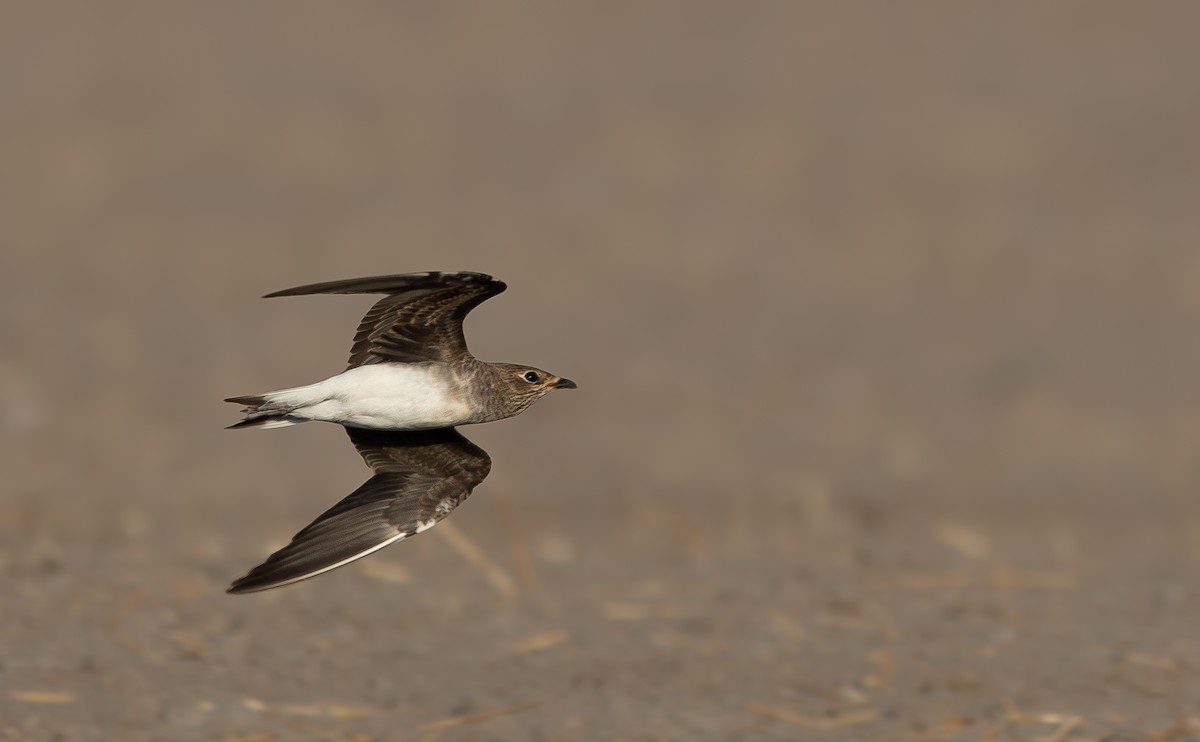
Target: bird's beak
565,384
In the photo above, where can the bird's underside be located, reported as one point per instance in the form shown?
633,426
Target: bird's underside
410,380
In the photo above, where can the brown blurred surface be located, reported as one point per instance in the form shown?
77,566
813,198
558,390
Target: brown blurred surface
883,314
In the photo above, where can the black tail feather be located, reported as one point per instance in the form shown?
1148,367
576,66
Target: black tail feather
267,421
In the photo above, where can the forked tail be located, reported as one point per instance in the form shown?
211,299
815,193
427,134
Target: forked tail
259,414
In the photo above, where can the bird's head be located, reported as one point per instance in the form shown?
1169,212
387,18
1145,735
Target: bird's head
526,385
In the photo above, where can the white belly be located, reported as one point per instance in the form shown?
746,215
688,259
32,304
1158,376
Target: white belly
385,396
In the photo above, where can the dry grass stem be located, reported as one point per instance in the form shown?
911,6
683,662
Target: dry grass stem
518,544
1183,728
544,640
458,721
467,549
1166,664
1064,728
1016,716
384,571
786,625
330,709
813,722
262,737
963,539
1055,579
947,728
640,611
41,696
923,580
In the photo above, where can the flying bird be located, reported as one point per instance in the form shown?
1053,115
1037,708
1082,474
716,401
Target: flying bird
410,382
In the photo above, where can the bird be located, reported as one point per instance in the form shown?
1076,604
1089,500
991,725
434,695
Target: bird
410,382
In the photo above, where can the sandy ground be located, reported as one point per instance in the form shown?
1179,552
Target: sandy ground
884,317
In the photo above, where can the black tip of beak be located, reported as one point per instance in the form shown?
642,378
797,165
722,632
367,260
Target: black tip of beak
565,384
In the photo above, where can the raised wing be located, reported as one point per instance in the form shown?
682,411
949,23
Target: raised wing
420,319
420,477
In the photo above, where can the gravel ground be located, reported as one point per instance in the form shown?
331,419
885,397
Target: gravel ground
883,316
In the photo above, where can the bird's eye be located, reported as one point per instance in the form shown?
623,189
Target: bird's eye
531,377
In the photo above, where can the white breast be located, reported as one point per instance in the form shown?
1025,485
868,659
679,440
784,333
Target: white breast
386,396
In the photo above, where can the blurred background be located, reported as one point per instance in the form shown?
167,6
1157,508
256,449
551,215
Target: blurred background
883,316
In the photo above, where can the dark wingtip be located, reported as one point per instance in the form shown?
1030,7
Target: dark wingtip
250,583
243,424
385,284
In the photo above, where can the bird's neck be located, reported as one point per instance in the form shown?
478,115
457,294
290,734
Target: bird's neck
493,395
